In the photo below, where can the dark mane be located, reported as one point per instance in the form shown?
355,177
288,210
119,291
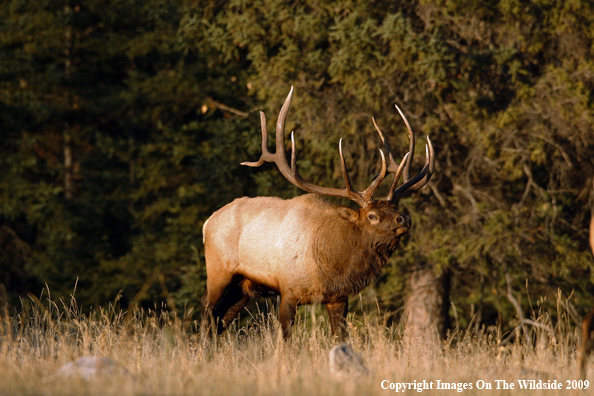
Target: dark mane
346,259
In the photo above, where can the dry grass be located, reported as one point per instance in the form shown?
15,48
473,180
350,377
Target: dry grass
167,356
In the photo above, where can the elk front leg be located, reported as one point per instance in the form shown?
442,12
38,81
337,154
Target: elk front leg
337,312
287,310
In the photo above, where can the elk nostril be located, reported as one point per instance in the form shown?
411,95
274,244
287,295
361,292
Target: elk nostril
401,220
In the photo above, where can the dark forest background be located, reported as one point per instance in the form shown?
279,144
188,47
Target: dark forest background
123,124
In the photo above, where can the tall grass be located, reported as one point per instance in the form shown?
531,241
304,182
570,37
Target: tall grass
165,355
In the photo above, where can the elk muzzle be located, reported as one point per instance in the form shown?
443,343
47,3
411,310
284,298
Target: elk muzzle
403,224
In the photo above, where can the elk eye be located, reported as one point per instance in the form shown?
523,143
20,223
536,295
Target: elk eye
372,217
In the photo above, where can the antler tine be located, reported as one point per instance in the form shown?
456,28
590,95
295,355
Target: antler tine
367,194
266,155
293,153
393,166
411,150
422,178
396,177
345,174
279,156
280,127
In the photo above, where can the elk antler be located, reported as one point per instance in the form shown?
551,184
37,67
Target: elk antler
418,181
291,173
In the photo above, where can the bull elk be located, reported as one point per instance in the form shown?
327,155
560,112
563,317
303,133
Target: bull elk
587,325
304,249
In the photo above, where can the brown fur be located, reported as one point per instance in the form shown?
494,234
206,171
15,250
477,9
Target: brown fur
587,325
304,249
347,257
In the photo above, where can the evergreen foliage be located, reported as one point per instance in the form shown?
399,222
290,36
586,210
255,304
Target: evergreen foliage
158,103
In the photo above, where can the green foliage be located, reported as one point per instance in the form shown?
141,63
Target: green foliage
159,101
150,163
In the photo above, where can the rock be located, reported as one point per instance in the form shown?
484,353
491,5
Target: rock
345,361
90,367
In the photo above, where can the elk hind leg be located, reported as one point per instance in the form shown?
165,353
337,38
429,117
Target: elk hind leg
232,301
234,310
216,289
337,312
243,295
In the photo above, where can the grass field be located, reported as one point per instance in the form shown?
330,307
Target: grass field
164,356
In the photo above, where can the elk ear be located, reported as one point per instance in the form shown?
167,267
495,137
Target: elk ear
347,213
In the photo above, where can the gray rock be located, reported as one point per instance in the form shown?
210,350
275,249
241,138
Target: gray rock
344,361
90,367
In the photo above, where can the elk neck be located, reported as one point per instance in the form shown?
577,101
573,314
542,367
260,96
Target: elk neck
347,259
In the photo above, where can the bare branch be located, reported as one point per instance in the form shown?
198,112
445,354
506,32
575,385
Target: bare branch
230,109
515,303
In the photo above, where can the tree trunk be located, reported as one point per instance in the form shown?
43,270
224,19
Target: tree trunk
427,305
